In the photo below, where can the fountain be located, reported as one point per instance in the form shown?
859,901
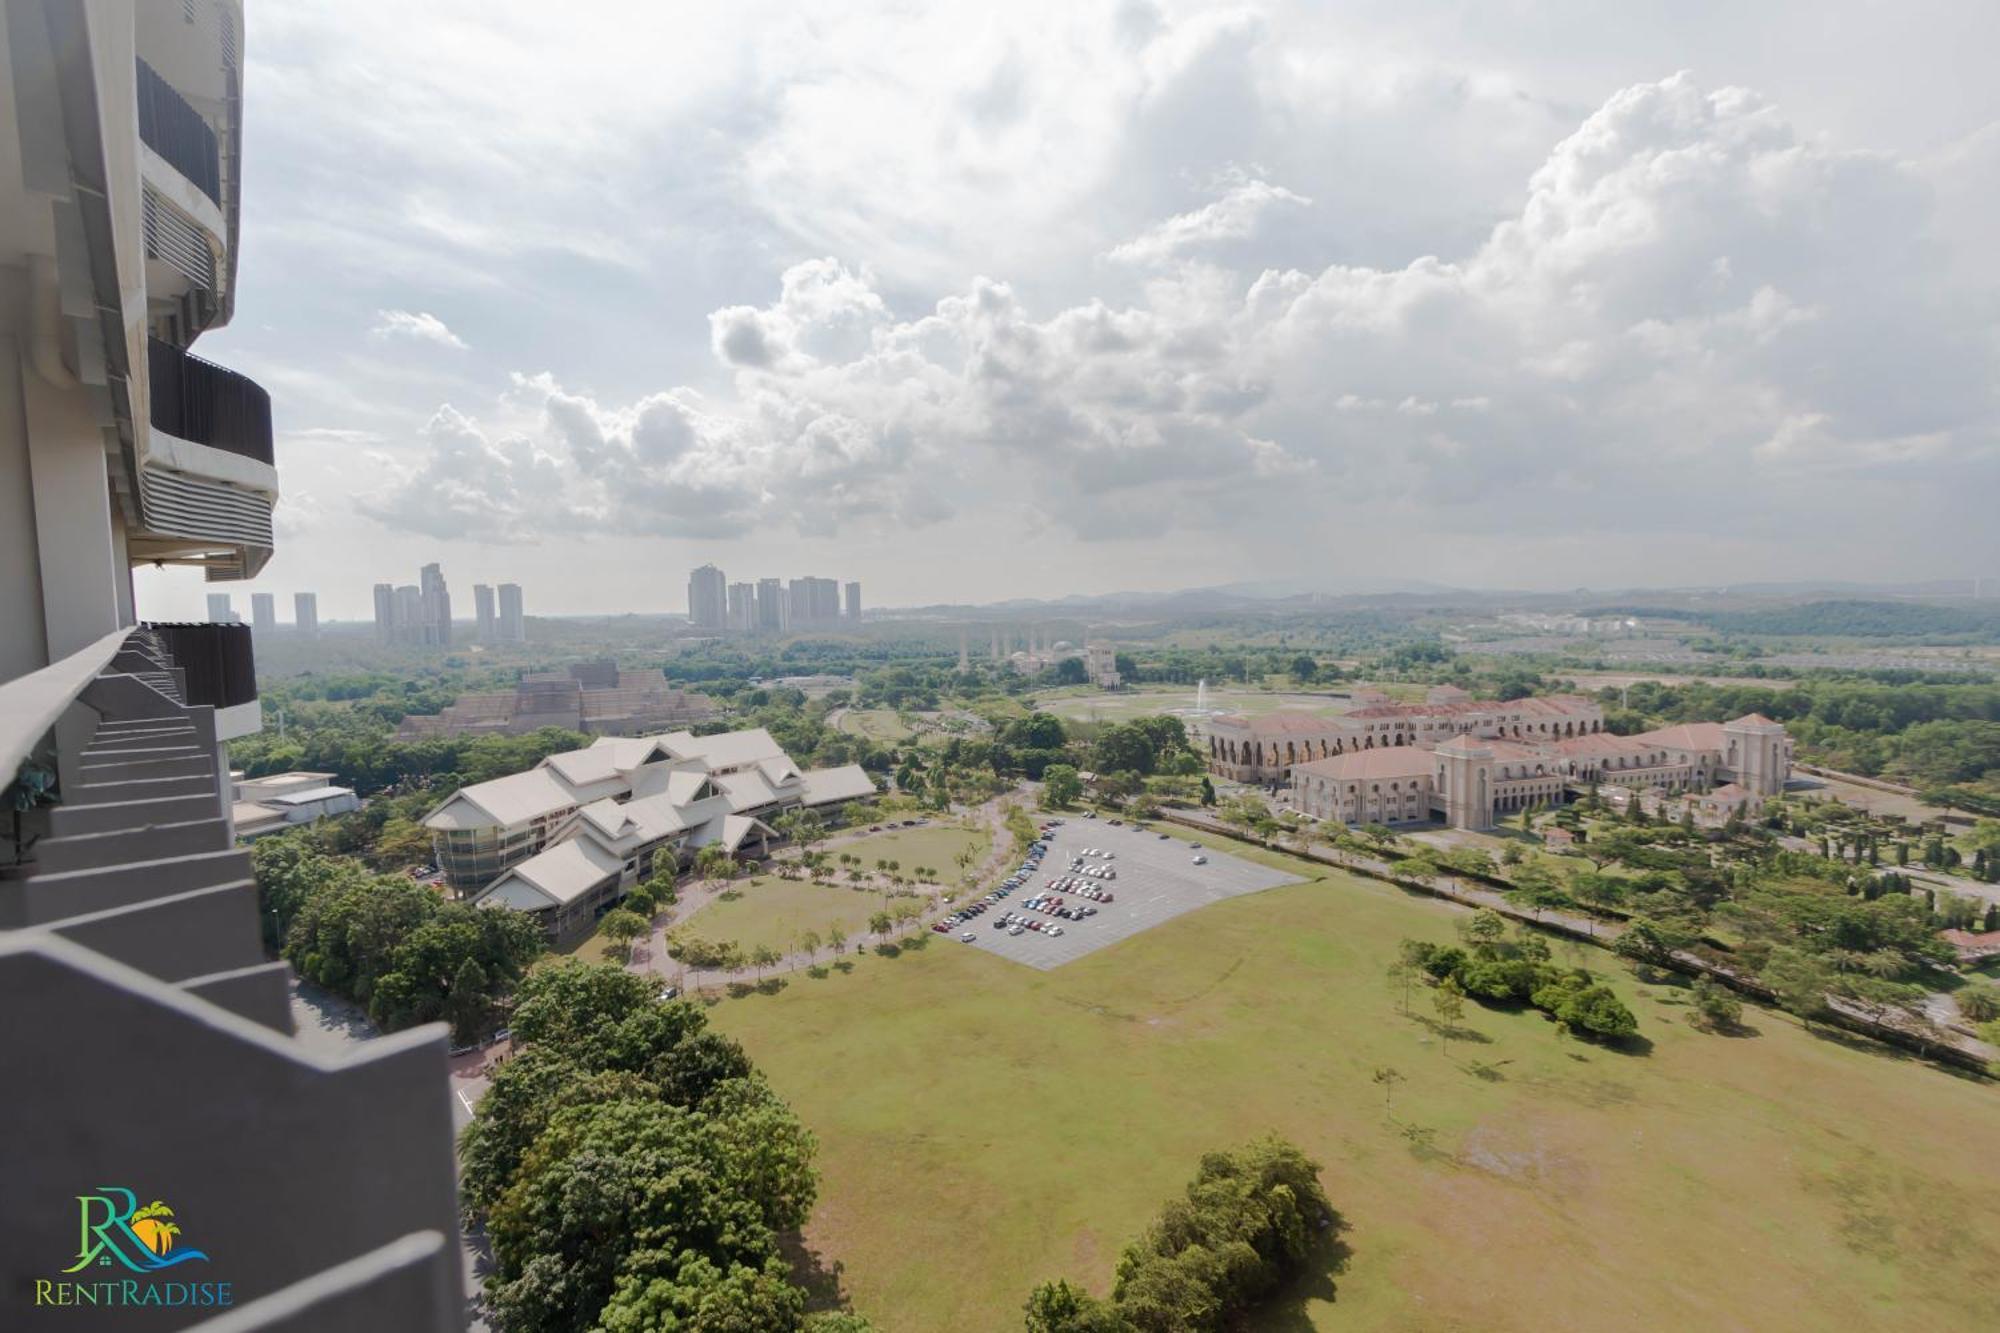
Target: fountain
1201,708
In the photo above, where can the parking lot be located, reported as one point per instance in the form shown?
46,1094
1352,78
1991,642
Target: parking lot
1157,881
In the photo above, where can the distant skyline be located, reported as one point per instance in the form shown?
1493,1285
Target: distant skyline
976,305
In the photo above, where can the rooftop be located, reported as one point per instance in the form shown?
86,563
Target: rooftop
1394,761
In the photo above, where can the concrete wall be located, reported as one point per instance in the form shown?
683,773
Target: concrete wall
24,643
277,1166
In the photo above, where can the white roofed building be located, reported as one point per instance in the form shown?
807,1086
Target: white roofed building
571,836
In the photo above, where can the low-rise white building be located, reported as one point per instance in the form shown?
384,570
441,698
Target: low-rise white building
279,801
572,835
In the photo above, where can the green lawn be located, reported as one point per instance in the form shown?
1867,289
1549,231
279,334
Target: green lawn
776,912
877,724
984,1126
934,845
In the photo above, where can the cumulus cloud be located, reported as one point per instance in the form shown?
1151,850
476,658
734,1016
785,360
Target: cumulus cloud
1695,315
419,325
1235,216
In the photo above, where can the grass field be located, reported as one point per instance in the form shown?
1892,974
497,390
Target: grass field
877,724
777,911
984,1126
932,845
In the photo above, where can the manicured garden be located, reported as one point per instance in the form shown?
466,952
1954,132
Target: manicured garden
984,1127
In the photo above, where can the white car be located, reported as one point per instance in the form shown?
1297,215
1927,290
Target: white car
1016,929
1201,860
1053,930
967,937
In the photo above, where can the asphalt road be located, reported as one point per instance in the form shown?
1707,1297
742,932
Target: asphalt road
1157,881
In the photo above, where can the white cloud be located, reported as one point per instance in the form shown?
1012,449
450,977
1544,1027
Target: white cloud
1688,301
420,325
1234,216
1519,303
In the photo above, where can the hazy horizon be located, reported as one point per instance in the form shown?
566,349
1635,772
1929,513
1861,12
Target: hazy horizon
1131,297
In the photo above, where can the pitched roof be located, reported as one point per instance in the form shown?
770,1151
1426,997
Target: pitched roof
1392,761
556,876
1686,736
514,799
823,786
1603,745
725,750
747,789
1285,721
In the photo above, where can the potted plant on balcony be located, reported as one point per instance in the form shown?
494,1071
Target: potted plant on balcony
33,786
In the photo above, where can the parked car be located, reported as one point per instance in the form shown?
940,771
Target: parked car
1016,929
671,993
1055,930
1166,837
967,937
1201,860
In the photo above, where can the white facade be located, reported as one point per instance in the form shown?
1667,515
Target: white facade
487,829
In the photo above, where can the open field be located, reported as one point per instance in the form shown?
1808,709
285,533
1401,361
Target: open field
877,724
777,911
934,845
985,1126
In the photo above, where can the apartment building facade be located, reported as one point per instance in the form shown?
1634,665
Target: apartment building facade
148,1037
513,619
708,598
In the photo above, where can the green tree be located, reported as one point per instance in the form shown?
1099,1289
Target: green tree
1060,786
470,1003
621,927
1716,1005
1386,1078
1448,999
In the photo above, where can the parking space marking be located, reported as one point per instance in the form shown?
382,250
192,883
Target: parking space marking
1172,886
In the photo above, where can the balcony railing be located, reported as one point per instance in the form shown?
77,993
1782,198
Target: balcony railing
220,667
200,401
171,127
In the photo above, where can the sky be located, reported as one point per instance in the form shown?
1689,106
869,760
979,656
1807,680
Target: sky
971,302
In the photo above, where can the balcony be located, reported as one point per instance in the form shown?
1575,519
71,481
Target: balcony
181,135
218,666
199,401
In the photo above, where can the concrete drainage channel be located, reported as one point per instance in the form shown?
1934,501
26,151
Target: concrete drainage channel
1157,881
